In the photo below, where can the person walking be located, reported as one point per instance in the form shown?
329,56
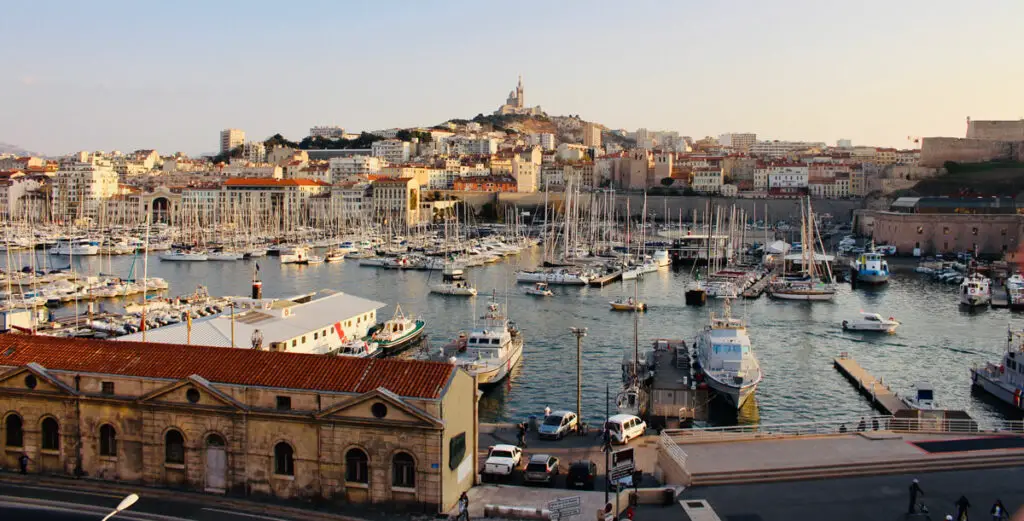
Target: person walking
962,505
999,511
522,435
915,489
463,507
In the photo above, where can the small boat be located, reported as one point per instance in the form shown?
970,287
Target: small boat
923,399
871,322
314,259
870,268
975,291
627,304
397,333
184,256
490,351
453,283
359,349
334,255
224,255
540,289
294,255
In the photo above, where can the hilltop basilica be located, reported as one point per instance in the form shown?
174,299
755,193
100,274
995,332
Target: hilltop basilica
516,103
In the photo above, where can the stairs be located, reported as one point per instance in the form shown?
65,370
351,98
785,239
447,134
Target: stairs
845,470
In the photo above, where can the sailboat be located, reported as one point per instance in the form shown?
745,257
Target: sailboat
809,285
632,399
726,358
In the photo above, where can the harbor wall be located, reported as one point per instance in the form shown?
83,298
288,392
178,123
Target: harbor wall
657,206
943,233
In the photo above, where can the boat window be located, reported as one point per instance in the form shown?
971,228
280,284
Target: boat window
472,340
495,341
872,318
924,394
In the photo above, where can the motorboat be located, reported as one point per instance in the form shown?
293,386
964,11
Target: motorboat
359,348
627,304
923,398
314,259
975,291
1015,292
871,322
488,352
453,282
870,268
559,277
726,359
294,255
76,247
662,259
1005,380
224,255
696,294
540,289
397,333
335,255
184,256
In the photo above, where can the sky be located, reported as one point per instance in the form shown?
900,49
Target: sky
124,75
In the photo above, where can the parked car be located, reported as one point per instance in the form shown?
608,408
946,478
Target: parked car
581,475
502,460
557,424
542,468
624,427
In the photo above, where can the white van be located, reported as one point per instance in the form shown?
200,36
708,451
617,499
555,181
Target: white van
624,427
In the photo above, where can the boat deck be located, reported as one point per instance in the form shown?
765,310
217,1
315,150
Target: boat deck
880,396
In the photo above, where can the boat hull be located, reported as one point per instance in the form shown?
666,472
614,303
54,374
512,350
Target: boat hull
802,295
871,278
696,297
493,376
737,395
617,306
881,328
1005,394
400,344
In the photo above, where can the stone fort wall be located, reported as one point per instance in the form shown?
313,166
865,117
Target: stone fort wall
996,130
937,150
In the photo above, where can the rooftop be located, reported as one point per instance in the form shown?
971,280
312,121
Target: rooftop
411,378
267,181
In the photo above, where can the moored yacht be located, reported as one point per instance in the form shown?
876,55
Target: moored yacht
1005,380
726,358
975,291
453,282
488,352
397,333
870,268
294,255
559,276
184,255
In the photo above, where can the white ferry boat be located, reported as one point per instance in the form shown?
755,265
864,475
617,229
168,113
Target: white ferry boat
975,291
1005,380
490,351
726,358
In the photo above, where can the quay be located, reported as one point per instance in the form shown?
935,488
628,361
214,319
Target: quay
872,388
757,289
601,281
1000,298
676,400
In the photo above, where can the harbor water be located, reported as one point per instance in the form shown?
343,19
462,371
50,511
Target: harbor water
795,341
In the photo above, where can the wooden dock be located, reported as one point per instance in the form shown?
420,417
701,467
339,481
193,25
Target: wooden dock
757,289
872,388
606,279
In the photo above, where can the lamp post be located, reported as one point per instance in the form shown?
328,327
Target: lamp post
579,332
123,505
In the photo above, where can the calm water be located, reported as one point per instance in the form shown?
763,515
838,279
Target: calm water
795,342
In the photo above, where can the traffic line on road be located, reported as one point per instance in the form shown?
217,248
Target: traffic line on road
237,513
63,490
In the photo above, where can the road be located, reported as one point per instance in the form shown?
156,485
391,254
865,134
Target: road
881,498
36,502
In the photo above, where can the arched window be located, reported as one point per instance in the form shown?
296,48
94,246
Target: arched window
284,461
108,441
356,464
214,440
403,471
174,447
51,434
15,434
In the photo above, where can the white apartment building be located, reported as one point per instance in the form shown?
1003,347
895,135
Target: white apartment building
351,168
254,151
397,201
788,177
14,186
761,178
391,150
544,140
741,141
782,148
552,175
80,187
247,169
591,135
329,132
707,179
571,152
483,146
526,174
231,138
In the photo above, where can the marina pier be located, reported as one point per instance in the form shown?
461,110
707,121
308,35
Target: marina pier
872,388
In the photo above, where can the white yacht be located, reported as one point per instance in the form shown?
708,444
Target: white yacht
540,289
184,256
76,247
224,255
489,351
726,358
1005,380
453,282
975,291
559,276
661,258
871,322
294,255
359,348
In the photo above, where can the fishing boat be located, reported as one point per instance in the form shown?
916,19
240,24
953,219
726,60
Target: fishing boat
397,333
453,282
975,291
870,268
540,289
490,351
294,255
1004,380
184,256
726,359
335,255
871,322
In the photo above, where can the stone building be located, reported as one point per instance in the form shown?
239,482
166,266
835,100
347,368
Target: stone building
241,422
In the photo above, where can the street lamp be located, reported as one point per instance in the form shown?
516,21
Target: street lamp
123,505
580,332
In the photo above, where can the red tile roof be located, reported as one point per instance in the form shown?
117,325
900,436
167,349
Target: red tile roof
412,378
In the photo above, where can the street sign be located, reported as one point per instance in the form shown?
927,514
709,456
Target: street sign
565,507
623,464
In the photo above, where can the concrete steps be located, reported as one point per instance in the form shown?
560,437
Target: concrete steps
925,464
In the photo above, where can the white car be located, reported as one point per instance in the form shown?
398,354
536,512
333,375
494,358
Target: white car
624,427
502,460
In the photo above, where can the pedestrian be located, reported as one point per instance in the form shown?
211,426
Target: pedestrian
999,511
962,505
23,463
915,489
547,412
464,507
522,435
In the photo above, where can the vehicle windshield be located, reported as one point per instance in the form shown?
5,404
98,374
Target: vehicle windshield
553,420
501,454
536,467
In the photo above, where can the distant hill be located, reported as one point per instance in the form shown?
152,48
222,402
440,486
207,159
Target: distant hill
16,150
567,129
993,178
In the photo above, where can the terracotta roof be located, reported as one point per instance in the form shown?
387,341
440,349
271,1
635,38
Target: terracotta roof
267,181
413,378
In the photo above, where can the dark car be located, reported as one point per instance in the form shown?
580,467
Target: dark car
541,469
581,475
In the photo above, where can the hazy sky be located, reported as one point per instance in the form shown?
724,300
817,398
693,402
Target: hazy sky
170,75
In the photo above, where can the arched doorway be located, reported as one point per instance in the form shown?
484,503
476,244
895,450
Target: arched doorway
161,210
216,464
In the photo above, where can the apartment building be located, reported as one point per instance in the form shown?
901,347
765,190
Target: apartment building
391,150
81,185
591,135
783,148
353,168
329,132
707,179
230,139
397,201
